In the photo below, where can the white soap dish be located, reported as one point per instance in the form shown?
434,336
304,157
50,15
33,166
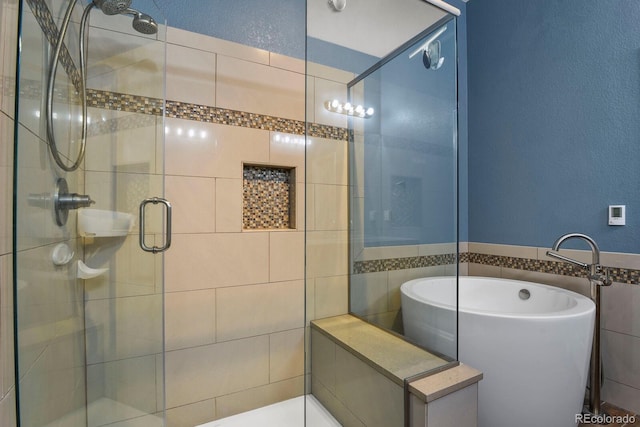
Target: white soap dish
102,223
86,272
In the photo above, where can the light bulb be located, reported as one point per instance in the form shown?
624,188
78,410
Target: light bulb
335,103
370,111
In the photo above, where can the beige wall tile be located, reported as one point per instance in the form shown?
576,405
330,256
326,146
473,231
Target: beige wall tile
287,62
331,203
130,148
6,186
621,395
190,319
244,311
331,296
620,358
371,396
323,361
193,201
6,210
310,101
118,328
310,207
484,270
47,308
202,261
228,205
286,355
288,150
620,313
247,86
504,250
258,397
129,381
327,253
369,293
437,249
212,44
8,409
310,300
192,414
384,252
204,149
136,70
205,372
191,75
7,376
8,38
286,256
327,161
301,212
459,409
612,259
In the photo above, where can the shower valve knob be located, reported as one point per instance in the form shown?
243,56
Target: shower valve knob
63,201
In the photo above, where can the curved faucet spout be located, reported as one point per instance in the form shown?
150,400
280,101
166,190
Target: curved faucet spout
595,250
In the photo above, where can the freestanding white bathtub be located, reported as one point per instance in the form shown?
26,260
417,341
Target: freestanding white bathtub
534,351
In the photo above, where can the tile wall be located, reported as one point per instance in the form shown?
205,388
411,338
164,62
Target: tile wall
235,297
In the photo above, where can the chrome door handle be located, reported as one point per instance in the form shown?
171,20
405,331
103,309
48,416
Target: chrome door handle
167,242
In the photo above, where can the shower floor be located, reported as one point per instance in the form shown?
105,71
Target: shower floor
289,413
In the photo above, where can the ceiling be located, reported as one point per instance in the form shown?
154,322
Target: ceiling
374,27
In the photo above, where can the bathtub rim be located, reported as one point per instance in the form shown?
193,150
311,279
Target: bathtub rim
583,307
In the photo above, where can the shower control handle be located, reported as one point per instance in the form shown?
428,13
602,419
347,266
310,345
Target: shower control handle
167,242
63,201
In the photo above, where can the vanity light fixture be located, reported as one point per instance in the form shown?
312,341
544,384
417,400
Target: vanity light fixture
348,109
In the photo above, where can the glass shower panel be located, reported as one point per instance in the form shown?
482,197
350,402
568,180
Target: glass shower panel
403,202
89,302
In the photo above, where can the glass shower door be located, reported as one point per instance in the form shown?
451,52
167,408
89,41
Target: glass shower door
88,298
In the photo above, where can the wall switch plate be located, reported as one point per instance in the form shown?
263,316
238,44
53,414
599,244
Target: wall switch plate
617,215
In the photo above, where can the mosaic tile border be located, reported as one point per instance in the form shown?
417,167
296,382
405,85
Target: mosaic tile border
50,29
124,102
390,264
208,114
619,275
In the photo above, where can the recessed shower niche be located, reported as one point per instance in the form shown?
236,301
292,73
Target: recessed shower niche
268,197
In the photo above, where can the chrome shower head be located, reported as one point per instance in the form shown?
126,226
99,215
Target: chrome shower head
142,22
112,7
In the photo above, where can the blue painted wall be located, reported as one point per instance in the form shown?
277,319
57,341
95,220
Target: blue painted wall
275,25
554,120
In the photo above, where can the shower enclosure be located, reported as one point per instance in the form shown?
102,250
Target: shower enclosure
88,300
110,330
